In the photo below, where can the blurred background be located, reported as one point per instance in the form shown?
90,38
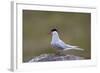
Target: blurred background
74,28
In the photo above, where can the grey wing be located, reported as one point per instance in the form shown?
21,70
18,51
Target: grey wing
62,45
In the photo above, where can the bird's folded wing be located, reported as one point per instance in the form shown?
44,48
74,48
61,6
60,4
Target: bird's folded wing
62,45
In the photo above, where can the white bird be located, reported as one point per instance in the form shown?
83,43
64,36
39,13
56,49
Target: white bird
58,44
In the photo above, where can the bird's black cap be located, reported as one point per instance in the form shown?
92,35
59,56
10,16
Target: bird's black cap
54,30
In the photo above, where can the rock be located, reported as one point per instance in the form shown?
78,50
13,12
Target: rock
53,57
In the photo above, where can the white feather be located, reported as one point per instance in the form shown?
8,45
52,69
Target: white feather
60,45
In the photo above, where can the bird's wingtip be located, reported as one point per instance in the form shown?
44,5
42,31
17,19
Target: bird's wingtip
80,49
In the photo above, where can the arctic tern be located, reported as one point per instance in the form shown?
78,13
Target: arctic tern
58,44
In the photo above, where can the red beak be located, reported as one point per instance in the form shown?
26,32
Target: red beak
50,33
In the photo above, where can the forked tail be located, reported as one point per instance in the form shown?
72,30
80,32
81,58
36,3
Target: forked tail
78,49
74,48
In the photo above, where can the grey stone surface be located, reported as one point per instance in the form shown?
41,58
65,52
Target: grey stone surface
53,57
